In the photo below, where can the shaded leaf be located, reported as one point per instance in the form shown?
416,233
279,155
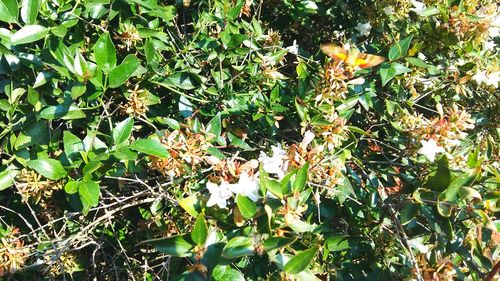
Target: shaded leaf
177,246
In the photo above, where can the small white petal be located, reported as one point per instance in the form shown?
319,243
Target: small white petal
388,10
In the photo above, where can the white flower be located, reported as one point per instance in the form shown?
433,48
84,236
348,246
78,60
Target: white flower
494,30
294,49
388,10
274,164
480,77
430,148
219,194
489,45
308,138
419,7
247,186
363,28
493,79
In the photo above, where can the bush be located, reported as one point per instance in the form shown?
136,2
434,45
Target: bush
234,140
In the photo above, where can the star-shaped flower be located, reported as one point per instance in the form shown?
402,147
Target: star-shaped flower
388,10
430,148
219,194
274,164
308,138
364,28
247,186
294,48
493,79
419,7
480,77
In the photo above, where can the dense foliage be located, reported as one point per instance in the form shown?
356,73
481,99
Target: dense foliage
213,140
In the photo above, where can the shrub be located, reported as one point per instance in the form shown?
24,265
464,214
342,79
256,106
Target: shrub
233,140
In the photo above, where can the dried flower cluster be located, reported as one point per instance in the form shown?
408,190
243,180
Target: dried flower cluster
13,253
33,185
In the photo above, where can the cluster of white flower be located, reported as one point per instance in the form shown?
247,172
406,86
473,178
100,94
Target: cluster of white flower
489,79
248,185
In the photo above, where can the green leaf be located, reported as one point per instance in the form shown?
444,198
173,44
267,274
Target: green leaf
444,207
176,246
301,261
89,193
72,144
400,48
226,273
7,178
440,179
214,126
184,80
123,130
150,147
272,243
300,178
42,78
36,133
71,187
299,226
8,11
238,247
28,34
417,62
29,10
429,11
467,193
451,193
246,206
408,211
49,168
473,159
388,71
188,204
121,73
271,185
339,243
62,111
105,53
199,233
92,166
150,53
